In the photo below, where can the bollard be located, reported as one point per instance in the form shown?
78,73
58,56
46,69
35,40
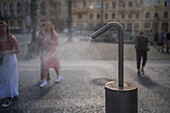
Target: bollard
120,97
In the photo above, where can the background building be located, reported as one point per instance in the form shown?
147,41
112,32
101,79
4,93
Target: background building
18,13
134,15
55,11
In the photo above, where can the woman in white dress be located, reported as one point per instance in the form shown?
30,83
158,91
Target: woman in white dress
9,77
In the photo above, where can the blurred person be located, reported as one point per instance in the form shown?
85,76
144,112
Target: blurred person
142,46
161,39
40,48
168,41
33,47
165,33
9,76
156,39
50,40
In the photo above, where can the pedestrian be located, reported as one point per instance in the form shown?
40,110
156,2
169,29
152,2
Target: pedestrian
40,49
168,42
142,46
9,76
156,39
161,39
50,40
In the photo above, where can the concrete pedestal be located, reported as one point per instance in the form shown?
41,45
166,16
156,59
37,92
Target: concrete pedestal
121,99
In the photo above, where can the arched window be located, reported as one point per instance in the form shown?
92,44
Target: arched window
80,5
91,15
148,3
156,15
113,4
91,5
157,2
130,3
165,14
98,16
106,16
19,8
147,25
11,9
98,4
123,15
113,15
136,26
129,27
147,15
137,14
106,4
166,3
27,6
138,2
5,9
79,16
123,4
130,14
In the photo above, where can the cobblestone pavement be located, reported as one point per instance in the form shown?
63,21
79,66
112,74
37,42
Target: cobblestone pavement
84,74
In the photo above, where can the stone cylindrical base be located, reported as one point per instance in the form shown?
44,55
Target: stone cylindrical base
121,99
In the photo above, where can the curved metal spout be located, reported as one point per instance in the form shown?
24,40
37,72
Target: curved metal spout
121,36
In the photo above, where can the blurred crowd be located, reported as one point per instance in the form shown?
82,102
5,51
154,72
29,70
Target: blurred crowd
161,41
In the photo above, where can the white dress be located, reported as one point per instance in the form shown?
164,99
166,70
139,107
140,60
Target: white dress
9,76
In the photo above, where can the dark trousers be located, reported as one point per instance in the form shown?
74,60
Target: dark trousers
139,55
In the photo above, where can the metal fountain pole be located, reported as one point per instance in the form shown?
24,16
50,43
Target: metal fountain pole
120,97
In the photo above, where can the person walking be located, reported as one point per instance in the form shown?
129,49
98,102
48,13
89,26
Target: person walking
168,41
50,40
142,46
161,39
9,76
40,49
156,39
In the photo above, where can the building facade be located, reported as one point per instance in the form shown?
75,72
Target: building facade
134,15
17,13
55,11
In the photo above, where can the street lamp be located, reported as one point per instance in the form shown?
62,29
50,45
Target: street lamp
69,21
